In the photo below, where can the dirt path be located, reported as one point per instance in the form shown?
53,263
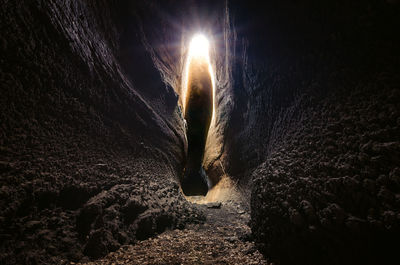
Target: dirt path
224,238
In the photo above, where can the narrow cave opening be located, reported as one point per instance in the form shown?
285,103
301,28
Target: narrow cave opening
198,105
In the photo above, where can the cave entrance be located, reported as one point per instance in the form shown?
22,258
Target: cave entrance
198,106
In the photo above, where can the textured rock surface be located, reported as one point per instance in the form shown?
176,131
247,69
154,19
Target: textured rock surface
322,114
326,193
88,161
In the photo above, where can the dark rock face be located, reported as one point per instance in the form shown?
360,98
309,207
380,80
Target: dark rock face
326,193
318,110
88,160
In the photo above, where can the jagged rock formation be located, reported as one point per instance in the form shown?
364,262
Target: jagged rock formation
88,161
320,117
92,138
328,191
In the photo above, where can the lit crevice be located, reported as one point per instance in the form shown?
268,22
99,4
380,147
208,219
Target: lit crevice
199,49
198,94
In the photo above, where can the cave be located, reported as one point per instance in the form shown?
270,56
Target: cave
198,98
275,141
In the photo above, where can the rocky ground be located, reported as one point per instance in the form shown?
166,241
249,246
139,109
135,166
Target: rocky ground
45,220
224,238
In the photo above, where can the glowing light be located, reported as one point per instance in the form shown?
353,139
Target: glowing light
198,46
198,50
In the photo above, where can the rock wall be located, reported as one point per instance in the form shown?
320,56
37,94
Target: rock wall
89,160
317,104
167,35
328,191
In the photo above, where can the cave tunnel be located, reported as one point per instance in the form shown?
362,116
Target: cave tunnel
199,132
198,101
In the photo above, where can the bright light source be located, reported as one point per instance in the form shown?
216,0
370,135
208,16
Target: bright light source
198,52
198,46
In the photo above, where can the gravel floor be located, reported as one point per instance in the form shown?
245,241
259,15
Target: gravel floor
224,238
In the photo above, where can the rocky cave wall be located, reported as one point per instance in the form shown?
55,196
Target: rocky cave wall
90,154
317,106
166,36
